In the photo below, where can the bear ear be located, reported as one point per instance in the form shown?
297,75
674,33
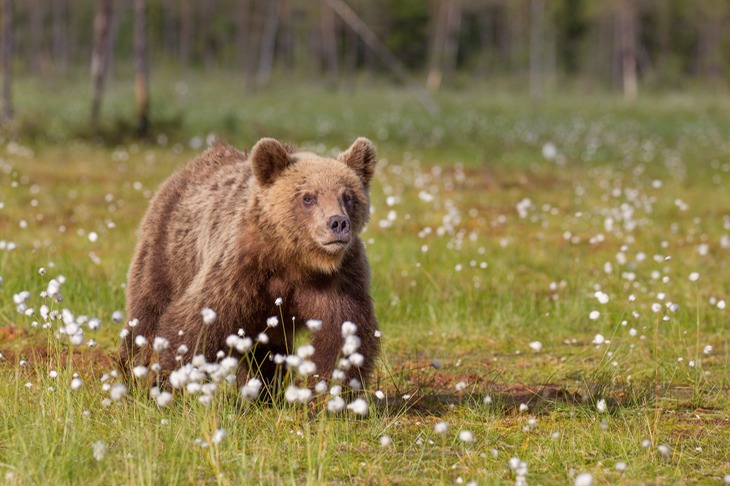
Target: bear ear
268,159
361,158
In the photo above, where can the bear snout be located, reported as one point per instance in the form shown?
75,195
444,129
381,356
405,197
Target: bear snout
339,225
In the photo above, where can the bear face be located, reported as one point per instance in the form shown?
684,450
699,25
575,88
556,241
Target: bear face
311,207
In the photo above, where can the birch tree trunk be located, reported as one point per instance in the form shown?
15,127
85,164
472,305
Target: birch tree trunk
329,42
7,59
537,40
141,66
268,42
627,41
60,41
99,57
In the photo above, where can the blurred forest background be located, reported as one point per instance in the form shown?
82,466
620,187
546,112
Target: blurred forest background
537,46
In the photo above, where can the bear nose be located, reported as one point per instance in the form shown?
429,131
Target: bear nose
339,225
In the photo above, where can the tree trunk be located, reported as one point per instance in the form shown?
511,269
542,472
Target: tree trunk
451,40
537,40
255,28
268,42
7,59
242,17
37,13
60,39
207,33
141,66
329,42
186,31
99,55
435,64
169,28
627,41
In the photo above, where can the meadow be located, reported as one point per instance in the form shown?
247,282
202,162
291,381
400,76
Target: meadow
551,282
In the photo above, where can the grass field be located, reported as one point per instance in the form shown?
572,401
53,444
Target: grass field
551,283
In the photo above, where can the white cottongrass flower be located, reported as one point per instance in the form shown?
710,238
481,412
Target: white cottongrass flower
306,351
300,395
602,297
726,479
583,479
164,399
117,391
536,346
307,368
209,315
621,466
278,301
460,386
250,391
523,407
160,343
262,338
466,436
314,324
694,276
352,344
599,339
348,329
140,341
358,407
656,307
337,404
272,321
218,437
76,383
229,364
321,387
379,394
117,317
594,315
664,450
708,349
441,428
601,405
549,151
385,440
98,450
357,359
139,371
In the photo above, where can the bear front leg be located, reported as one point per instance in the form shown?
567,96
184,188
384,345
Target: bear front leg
335,354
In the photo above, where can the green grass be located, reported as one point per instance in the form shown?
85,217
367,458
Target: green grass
647,182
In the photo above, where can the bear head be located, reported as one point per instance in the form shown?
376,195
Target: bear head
312,208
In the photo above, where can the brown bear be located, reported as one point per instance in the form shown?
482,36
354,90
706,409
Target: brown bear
251,237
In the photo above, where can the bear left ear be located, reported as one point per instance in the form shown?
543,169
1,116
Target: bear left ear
268,159
361,158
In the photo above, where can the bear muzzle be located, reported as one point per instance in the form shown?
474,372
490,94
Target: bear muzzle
338,234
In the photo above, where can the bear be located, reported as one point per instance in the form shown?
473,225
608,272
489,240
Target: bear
248,239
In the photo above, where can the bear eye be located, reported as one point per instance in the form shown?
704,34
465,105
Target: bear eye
308,200
347,199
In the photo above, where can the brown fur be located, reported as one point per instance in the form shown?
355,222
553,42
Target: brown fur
233,233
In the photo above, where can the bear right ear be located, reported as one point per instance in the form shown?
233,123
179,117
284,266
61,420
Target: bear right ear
268,159
361,158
